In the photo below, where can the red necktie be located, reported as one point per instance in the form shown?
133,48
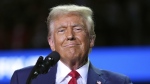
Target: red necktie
74,74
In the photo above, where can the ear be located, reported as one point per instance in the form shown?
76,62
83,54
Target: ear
92,40
51,43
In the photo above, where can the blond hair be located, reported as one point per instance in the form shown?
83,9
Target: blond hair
85,12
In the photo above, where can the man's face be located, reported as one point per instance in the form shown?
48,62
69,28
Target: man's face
70,38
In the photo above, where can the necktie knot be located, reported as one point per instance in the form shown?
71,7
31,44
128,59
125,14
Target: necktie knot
74,74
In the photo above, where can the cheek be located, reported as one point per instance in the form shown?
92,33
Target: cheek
85,38
59,40
85,41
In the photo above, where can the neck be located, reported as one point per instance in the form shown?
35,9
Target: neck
75,64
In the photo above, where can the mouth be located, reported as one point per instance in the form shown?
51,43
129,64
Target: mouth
71,45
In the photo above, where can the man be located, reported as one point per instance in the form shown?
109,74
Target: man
71,34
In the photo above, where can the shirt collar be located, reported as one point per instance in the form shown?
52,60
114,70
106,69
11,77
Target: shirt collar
63,70
83,71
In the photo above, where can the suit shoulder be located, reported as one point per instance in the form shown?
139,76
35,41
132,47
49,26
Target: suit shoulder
20,75
23,72
116,77
109,73
112,74
26,69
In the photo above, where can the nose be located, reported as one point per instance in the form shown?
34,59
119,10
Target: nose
70,34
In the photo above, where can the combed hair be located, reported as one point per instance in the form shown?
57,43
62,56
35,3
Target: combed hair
85,12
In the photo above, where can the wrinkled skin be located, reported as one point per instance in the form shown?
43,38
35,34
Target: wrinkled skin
70,38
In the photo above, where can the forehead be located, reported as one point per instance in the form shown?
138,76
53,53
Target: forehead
68,20
65,19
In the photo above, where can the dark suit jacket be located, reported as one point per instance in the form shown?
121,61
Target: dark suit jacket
94,75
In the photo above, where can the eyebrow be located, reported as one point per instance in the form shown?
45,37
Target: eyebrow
74,25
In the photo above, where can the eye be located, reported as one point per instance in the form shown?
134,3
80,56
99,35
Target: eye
78,29
61,30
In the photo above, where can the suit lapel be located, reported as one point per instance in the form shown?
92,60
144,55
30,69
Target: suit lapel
48,78
95,75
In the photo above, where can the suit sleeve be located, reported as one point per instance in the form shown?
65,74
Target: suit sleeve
14,78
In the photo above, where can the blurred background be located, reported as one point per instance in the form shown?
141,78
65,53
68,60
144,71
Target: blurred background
124,24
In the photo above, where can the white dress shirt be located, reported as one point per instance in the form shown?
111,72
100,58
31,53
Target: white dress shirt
62,76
